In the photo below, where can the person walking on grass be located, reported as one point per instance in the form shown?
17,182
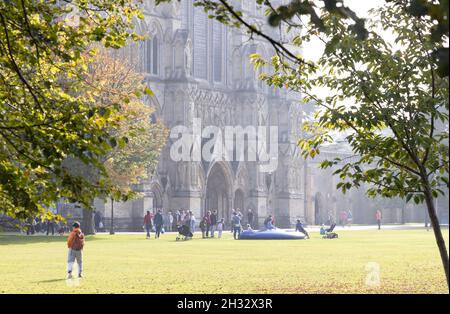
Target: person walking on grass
97,220
192,222
213,219
299,227
75,244
220,227
203,227
148,223
177,218
159,222
378,218
236,223
50,226
37,225
208,223
349,218
169,221
31,222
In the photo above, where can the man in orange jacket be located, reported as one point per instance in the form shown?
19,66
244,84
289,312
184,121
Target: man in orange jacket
75,243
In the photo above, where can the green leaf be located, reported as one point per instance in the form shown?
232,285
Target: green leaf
149,92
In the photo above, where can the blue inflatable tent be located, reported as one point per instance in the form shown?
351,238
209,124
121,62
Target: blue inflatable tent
271,234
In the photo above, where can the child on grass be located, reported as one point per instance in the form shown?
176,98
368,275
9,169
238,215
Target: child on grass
203,227
220,227
299,227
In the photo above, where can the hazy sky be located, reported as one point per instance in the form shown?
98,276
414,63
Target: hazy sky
360,7
314,49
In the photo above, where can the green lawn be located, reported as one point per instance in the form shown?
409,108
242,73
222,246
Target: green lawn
408,260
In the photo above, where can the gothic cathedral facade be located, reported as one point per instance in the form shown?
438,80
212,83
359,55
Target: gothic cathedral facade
201,69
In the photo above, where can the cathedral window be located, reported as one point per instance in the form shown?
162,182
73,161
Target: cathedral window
152,56
200,56
218,52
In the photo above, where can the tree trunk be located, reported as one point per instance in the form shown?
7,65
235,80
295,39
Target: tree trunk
403,214
111,231
429,199
87,225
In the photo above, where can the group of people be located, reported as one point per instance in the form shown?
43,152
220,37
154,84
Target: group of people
209,224
171,221
36,224
154,222
269,222
346,218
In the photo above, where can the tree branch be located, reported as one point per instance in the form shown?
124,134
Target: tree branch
16,67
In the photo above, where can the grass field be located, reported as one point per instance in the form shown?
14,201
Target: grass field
408,260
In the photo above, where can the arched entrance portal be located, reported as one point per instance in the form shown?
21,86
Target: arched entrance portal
239,200
157,198
218,191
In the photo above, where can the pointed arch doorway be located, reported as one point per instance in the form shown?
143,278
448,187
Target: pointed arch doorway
239,200
218,188
157,197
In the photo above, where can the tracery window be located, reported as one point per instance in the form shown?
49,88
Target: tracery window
218,51
200,43
152,56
